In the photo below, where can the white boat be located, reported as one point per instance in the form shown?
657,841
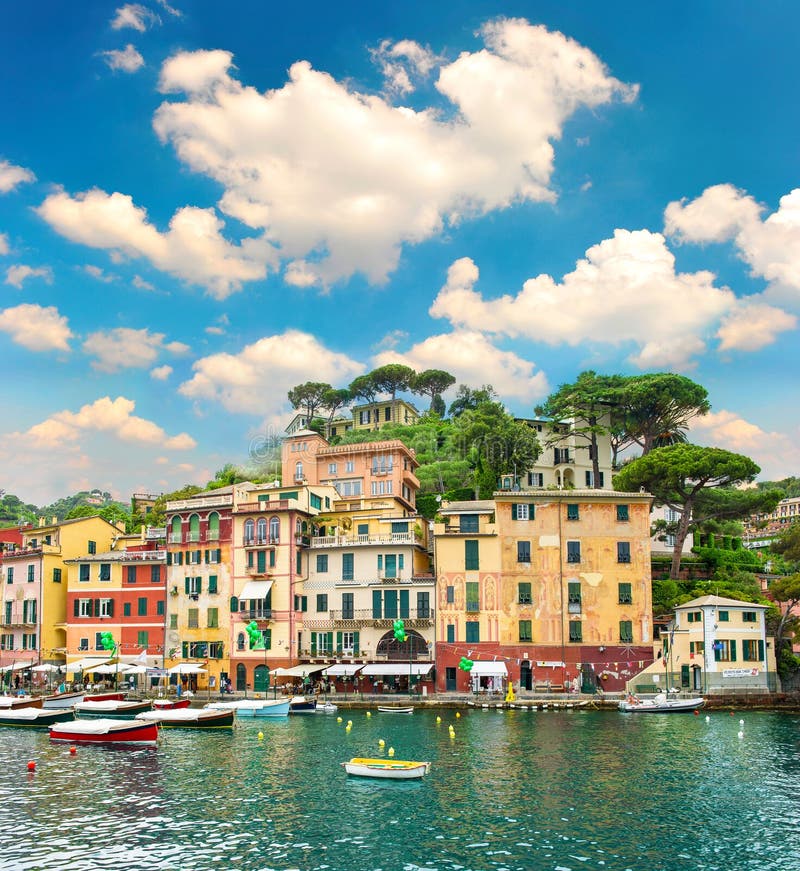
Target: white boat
326,708
62,700
254,707
105,731
660,704
113,708
392,769
189,718
390,710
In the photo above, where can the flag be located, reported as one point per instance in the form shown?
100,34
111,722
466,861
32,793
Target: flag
141,659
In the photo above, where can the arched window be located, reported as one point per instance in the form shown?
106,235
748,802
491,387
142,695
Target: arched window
249,531
175,526
261,531
234,604
274,530
240,641
213,526
298,526
298,471
194,527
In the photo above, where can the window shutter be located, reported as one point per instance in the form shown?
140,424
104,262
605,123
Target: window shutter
400,561
338,641
380,561
212,583
376,604
513,510
110,607
219,554
330,640
186,585
76,608
199,584
234,605
733,649
404,603
169,557
761,650
205,556
355,643
313,643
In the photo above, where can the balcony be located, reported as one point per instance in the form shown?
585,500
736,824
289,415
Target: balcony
254,614
193,536
256,572
302,540
257,541
452,529
175,538
361,540
574,606
205,502
417,618
212,535
144,556
264,507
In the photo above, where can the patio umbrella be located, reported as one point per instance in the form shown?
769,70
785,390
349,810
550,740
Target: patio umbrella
46,668
186,668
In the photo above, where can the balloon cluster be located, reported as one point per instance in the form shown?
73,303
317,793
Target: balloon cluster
466,664
107,641
255,636
400,630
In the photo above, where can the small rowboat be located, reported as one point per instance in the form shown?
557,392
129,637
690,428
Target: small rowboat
16,702
170,704
390,710
189,718
392,769
35,718
62,700
660,704
254,707
105,732
302,705
125,710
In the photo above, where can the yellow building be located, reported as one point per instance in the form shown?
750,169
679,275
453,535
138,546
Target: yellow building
34,588
544,588
374,415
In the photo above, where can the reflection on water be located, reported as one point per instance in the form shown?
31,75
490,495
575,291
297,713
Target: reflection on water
512,790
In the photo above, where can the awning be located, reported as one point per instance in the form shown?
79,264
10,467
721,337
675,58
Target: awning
342,669
87,664
16,666
416,669
488,669
297,670
256,590
186,668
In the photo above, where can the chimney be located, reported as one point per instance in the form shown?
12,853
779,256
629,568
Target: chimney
55,520
41,521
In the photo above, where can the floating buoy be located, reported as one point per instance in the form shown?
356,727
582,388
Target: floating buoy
741,722
369,713
438,720
349,722
740,734
348,727
338,719
708,719
452,733
381,742
457,715
260,736
73,750
391,751
31,766
697,713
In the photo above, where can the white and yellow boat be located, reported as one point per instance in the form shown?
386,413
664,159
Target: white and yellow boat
394,769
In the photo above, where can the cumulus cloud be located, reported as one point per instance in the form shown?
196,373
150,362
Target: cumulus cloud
36,327
128,59
752,326
401,61
126,348
105,415
255,380
18,274
722,213
135,16
625,290
340,180
161,373
472,358
193,248
12,176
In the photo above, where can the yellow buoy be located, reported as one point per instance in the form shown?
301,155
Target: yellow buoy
391,751
369,713
260,736
381,743
338,719
458,716
349,722
438,719
348,727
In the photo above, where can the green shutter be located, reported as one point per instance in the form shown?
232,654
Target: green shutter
390,604
733,649
76,609
338,642
471,559
513,510
376,605
261,561
313,643
404,603
355,643
400,561
186,582
761,650
272,558
212,583
380,561
330,641
684,675
234,605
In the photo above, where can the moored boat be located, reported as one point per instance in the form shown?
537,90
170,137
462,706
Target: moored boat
660,704
106,697
105,731
62,700
16,702
254,707
391,769
117,710
189,718
35,718
302,705
393,710
326,708
170,704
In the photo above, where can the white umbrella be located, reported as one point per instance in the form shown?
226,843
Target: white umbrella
112,669
45,667
186,668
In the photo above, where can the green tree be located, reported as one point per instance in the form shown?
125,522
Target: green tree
699,483
467,398
786,593
364,387
229,474
309,397
433,383
788,543
334,399
113,513
585,408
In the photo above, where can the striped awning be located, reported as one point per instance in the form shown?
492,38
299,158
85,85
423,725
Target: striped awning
416,669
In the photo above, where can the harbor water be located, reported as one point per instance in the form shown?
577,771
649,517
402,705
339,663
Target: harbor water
510,789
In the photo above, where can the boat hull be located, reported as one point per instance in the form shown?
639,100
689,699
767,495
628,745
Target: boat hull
62,700
671,706
302,705
114,710
389,710
182,718
35,718
386,769
106,731
170,704
253,707
13,703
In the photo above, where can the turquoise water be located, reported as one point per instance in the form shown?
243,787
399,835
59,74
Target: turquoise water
560,791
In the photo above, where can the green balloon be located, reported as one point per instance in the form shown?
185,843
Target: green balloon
466,664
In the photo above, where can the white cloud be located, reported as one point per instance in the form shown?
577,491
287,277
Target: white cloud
128,59
770,246
136,16
752,326
340,180
36,327
4,249
97,273
255,380
105,415
141,284
11,176
391,340
18,274
161,373
474,361
126,348
171,9
400,61
193,248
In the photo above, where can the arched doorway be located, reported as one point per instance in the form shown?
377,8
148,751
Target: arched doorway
261,679
413,647
241,678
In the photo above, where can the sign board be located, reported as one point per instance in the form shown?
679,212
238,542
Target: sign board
740,672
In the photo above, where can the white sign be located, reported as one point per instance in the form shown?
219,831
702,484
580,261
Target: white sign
740,672
548,663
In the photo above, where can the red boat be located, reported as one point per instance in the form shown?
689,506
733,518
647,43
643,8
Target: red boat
170,704
16,702
105,697
105,732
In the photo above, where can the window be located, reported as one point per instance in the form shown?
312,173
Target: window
91,547
574,592
347,606
523,551
322,562
274,530
130,574
212,584
525,631
535,479
524,593
573,512
590,479
423,605
381,488
575,630
84,607
213,526
332,468
173,621
298,563
522,511
623,551
56,576
626,631
725,651
724,617
10,576
301,603
29,641
298,471
193,586
106,608
468,523
573,551
31,571
451,633
450,594
126,609
473,598
84,644
249,531
350,466
215,649
471,559
697,647
213,618
261,530
695,617
749,617
625,595
105,572
382,464
473,631
141,606
753,650
316,501
347,566
160,608
194,528
143,638
193,615
322,602
622,513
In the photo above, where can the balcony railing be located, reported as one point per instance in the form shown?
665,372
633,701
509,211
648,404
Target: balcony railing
454,529
175,538
367,614
212,535
274,505
359,540
254,614
144,556
205,502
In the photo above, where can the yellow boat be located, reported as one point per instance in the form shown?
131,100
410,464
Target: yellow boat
394,769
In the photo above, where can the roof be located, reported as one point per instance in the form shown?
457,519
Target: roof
38,529
718,600
569,494
476,506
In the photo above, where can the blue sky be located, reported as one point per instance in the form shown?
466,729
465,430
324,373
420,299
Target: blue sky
203,204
